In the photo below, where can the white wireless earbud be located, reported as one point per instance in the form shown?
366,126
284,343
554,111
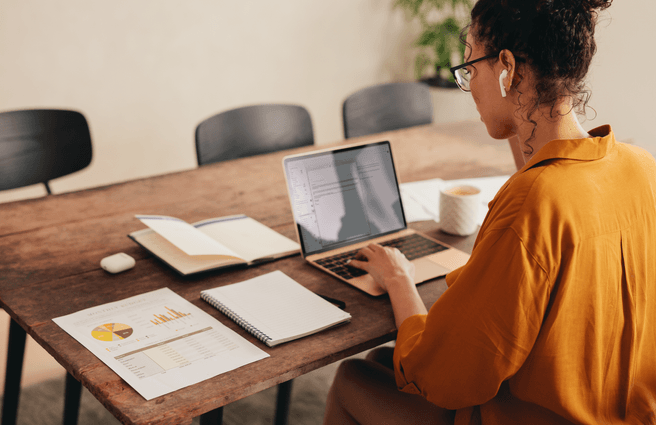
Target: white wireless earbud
503,75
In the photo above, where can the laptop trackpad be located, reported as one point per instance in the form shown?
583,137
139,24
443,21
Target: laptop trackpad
426,269
451,258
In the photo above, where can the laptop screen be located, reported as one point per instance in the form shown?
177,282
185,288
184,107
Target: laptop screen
344,196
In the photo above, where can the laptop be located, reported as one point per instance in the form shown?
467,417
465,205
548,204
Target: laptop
345,198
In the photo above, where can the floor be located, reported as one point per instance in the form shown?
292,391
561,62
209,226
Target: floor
38,365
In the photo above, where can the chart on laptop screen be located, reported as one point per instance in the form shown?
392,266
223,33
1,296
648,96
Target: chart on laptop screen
344,196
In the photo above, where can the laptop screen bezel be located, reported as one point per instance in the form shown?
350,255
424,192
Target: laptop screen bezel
332,151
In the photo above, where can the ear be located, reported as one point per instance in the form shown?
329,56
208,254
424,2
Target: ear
508,64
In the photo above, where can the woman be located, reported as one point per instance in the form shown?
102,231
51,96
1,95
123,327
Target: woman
552,320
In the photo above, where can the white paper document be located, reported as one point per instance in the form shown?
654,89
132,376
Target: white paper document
158,342
421,199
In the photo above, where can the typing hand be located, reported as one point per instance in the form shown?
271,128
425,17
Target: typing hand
383,264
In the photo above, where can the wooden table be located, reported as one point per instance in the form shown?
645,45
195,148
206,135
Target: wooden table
50,249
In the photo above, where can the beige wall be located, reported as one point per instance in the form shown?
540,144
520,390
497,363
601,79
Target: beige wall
145,72
621,77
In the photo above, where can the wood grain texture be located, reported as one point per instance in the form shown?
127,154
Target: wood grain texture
50,251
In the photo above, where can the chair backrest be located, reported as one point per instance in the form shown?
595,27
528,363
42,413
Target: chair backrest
39,145
252,130
387,107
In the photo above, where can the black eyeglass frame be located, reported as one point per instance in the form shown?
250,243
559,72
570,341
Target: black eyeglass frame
466,64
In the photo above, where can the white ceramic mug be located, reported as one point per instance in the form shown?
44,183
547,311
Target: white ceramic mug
459,209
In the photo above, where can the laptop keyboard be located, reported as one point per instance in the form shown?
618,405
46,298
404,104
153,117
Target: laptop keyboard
412,246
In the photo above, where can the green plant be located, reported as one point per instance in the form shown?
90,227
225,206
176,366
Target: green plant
441,24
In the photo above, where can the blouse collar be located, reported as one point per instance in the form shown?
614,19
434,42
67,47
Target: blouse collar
588,149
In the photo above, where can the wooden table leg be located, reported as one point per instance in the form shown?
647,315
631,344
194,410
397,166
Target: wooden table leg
15,353
72,396
215,417
283,402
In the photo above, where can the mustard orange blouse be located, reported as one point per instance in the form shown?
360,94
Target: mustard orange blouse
553,319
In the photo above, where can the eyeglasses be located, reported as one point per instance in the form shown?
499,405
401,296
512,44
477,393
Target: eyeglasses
463,76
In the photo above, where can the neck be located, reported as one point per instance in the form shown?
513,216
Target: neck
563,125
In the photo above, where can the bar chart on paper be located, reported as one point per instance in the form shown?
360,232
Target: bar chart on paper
169,316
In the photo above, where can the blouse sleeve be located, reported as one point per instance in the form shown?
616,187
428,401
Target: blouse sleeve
480,331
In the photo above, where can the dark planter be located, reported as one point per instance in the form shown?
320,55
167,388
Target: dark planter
438,81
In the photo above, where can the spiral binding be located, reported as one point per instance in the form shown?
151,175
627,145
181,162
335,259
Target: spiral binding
235,317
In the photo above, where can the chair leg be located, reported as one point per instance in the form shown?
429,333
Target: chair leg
15,353
214,417
283,402
72,396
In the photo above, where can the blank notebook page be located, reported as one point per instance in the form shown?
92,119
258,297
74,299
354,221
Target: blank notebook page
278,306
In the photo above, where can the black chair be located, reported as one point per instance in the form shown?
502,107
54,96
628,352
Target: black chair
387,107
40,145
252,130
37,146
248,131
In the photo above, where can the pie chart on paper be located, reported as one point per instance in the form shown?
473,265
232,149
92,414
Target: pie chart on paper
112,332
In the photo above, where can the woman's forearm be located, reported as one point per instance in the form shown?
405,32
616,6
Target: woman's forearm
405,299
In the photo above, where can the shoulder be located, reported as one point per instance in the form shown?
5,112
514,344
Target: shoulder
559,202
512,199
635,155
570,188
543,207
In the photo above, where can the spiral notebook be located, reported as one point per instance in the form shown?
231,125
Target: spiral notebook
275,308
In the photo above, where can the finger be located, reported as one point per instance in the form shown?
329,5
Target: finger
360,256
364,253
358,264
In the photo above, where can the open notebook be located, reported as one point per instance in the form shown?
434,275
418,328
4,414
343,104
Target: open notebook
275,308
211,244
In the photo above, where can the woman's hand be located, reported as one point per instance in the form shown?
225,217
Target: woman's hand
391,270
385,265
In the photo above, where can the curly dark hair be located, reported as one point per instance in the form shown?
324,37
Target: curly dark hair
556,37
